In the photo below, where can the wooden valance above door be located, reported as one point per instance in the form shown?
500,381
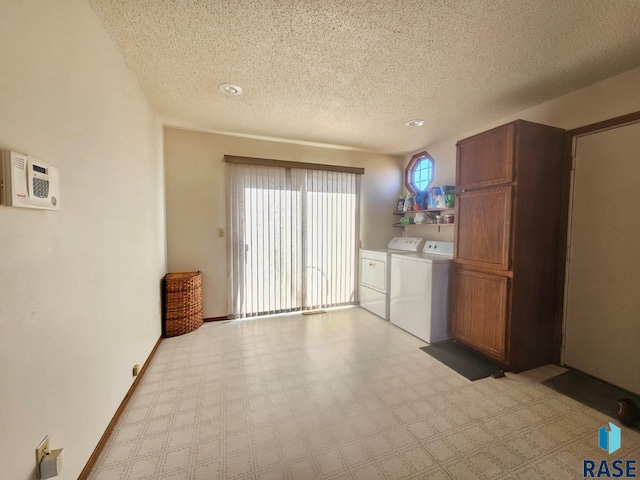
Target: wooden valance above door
287,164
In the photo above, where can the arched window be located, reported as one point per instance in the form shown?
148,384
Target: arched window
419,172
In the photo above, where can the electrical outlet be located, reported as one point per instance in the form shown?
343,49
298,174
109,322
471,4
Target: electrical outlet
136,370
41,451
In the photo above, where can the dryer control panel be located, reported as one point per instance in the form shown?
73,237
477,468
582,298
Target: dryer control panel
441,248
407,244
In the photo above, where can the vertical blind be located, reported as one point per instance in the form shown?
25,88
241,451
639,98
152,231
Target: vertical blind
292,238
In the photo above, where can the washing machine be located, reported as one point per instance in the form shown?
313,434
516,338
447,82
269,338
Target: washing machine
375,273
419,291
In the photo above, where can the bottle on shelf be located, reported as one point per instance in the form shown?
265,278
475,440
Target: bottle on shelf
409,203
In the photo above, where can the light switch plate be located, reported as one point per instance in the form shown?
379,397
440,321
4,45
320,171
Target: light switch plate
41,451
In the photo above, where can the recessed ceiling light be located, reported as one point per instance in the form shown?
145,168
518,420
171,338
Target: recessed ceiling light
230,89
414,123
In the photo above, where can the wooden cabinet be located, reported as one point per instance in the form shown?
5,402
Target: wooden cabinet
484,233
487,159
507,240
480,310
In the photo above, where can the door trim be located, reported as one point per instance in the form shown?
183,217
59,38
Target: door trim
567,248
605,124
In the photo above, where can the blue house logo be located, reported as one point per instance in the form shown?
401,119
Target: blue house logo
609,439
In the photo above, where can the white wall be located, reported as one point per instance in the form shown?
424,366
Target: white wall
79,288
195,193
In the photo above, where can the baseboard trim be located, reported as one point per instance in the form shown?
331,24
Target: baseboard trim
86,471
217,319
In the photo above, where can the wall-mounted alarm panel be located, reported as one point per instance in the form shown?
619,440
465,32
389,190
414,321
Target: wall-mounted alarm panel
26,181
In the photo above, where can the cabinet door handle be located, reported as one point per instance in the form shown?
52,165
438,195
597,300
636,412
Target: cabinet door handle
372,264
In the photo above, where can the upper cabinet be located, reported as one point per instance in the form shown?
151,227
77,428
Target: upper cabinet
486,159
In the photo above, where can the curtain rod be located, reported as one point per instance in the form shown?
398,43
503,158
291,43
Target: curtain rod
287,164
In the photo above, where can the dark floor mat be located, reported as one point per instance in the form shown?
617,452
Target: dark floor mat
589,391
462,360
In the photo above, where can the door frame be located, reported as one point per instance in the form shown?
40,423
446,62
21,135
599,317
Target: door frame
565,215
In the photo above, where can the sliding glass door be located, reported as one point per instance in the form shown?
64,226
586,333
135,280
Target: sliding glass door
292,238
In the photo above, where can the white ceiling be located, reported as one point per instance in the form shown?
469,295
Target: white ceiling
352,72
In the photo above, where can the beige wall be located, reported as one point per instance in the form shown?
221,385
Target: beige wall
79,288
610,98
195,193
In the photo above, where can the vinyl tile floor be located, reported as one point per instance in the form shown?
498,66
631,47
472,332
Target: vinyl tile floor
342,395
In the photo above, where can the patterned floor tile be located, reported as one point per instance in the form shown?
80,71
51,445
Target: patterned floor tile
342,395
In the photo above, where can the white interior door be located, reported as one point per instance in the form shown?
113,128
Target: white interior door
602,309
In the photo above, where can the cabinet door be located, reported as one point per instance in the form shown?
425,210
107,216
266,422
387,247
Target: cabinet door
486,159
483,233
479,306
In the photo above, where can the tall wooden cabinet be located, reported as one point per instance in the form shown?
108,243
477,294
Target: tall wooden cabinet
505,266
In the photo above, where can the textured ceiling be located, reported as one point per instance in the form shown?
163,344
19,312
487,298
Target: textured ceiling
352,72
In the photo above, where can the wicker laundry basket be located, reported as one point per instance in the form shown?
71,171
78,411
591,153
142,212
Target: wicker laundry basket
182,303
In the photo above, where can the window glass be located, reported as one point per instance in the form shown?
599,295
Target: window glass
419,172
